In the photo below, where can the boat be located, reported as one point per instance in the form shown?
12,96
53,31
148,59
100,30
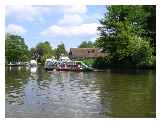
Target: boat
73,66
16,64
33,63
64,59
65,64
50,64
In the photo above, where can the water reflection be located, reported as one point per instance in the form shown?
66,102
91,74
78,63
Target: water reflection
37,93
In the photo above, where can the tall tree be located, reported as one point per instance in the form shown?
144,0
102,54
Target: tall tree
123,34
60,50
86,44
151,24
15,49
42,51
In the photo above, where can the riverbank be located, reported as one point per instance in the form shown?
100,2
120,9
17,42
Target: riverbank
102,64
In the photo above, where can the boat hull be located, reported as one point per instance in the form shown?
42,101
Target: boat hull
75,70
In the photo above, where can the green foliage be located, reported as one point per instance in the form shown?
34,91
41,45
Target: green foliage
86,44
42,51
101,63
60,50
137,52
89,62
46,48
15,49
151,24
124,33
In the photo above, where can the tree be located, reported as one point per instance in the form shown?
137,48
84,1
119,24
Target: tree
151,24
32,52
60,50
42,51
123,33
86,44
15,49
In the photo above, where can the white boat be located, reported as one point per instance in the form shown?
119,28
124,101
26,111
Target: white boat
65,64
73,66
33,63
50,64
64,59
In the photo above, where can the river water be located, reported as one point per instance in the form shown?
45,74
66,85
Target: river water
111,93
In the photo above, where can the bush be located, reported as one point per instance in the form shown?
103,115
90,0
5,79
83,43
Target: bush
137,52
140,51
101,63
88,62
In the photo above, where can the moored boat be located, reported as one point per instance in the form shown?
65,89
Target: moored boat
33,63
73,66
65,64
50,64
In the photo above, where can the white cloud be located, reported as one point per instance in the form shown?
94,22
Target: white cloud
79,9
70,19
28,13
31,12
15,29
82,30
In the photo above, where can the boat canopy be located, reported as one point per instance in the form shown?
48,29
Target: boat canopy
47,60
64,59
33,62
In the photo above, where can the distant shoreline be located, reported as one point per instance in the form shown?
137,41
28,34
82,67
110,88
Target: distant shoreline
99,69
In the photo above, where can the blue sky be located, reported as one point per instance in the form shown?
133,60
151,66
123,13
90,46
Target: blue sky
56,24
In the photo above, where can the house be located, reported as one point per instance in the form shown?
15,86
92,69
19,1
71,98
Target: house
82,53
